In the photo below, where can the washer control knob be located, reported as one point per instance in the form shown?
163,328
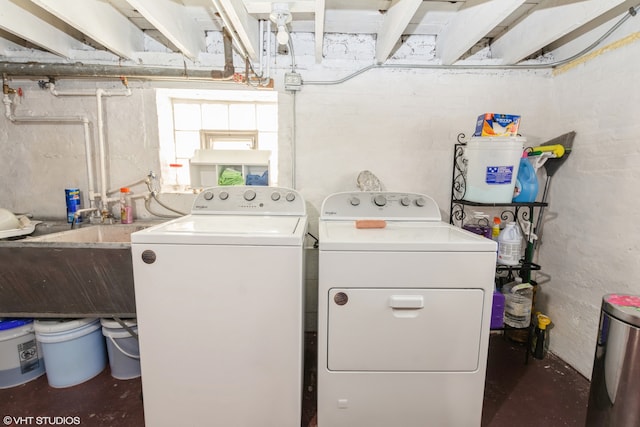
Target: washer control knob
354,201
224,195
420,202
249,195
380,200
208,195
290,197
275,196
405,201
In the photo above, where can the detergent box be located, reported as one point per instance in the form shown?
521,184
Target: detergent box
492,124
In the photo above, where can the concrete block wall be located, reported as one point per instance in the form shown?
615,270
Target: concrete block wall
590,240
401,124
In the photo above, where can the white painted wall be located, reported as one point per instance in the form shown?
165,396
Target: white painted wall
590,244
401,125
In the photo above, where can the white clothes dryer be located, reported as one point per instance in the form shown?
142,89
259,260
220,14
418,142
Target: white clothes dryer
404,314
219,298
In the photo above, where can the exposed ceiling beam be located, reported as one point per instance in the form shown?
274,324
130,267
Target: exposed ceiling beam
319,29
101,22
25,21
470,24
585,35
548,22
172,20
395,21
244,25
264,7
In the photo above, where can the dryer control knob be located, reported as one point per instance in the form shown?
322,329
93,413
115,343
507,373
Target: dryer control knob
354,201
380,200
249,195
224,195
420,202
290,197
405,201
208,195
275,196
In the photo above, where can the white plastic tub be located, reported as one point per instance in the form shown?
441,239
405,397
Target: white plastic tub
20,356
492,168
74,350
122,348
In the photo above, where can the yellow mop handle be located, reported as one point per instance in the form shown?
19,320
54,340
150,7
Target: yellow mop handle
556,149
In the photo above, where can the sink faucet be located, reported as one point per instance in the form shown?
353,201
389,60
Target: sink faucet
79,212
107,217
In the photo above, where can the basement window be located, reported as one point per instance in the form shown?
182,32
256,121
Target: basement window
213,119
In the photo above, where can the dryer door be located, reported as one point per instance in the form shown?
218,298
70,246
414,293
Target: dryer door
404,329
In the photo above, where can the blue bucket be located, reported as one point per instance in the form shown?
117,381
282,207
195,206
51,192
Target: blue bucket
21,357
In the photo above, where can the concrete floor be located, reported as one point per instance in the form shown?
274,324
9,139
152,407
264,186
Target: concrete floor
541,393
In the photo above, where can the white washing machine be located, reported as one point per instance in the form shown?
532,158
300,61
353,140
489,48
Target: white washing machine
219,298
404,313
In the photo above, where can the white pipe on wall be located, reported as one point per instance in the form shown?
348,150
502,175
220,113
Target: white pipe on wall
101,150
98,93
268,48
60,119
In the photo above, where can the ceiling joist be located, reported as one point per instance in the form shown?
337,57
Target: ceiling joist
173,21
99,21
395,22
244,25
173,32
469,25
319,29
548,22
26,22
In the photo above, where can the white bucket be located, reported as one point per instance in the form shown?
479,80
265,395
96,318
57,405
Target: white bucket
20,355
492,168
123,349
73,348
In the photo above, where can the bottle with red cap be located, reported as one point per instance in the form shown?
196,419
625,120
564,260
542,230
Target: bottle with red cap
126,206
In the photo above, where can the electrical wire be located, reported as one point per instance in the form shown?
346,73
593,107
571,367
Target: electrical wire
631,13
292,54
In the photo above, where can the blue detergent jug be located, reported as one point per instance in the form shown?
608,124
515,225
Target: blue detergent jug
526,188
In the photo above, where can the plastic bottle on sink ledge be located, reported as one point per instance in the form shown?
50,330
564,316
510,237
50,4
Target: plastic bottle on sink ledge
126,206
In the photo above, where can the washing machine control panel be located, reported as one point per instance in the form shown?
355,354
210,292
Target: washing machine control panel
380,204
249,200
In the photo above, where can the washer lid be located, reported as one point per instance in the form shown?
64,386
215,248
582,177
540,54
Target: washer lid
227,230
402,236
623,307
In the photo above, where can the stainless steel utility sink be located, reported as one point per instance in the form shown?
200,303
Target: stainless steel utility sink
92,234
82,272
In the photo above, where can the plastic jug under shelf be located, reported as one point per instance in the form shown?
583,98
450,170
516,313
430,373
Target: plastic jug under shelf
518,299
510,245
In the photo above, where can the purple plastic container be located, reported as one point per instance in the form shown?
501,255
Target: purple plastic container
497,310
